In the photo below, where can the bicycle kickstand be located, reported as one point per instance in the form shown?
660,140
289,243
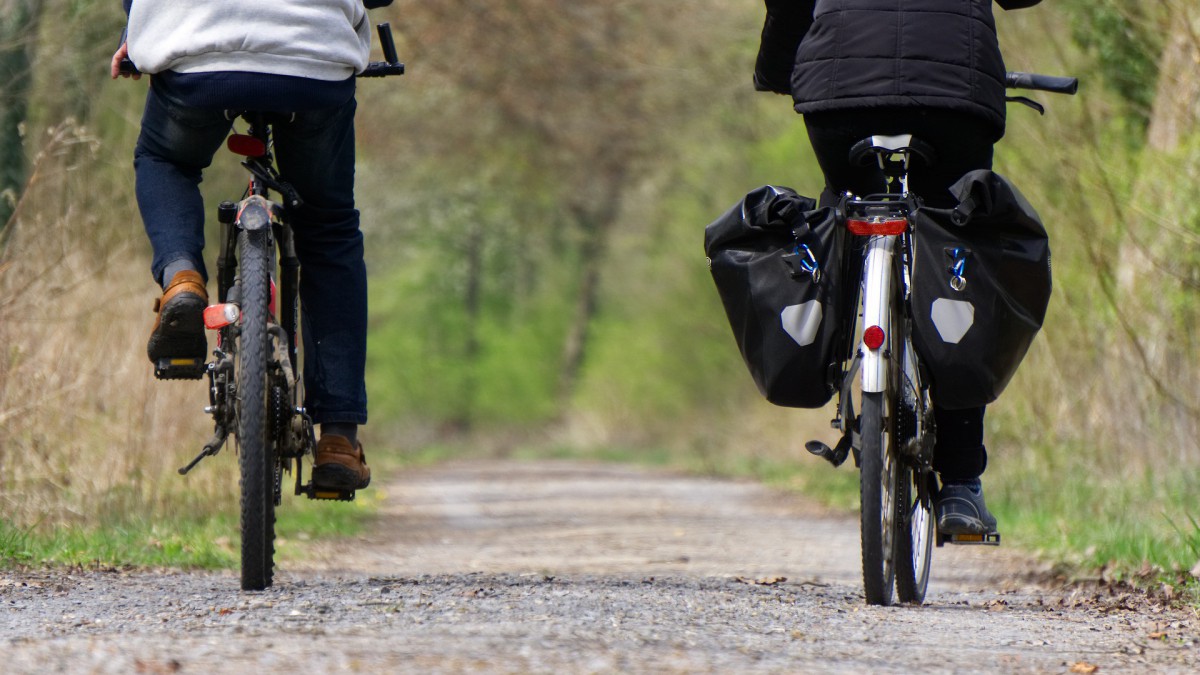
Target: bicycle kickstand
210,448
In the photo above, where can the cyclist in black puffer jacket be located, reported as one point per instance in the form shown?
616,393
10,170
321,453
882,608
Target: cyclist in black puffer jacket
931,68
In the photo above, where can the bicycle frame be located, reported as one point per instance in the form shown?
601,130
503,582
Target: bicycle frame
892,436
256,213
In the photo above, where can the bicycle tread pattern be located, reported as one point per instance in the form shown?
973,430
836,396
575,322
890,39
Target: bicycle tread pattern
255,449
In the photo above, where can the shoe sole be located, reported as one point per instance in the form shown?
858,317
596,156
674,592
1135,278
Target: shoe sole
180,332
338,477
949,525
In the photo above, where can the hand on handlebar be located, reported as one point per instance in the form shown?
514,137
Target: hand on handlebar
122,54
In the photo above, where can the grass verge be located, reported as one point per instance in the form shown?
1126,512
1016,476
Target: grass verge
195,533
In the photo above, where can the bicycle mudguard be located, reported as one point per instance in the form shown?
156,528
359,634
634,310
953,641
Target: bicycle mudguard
255,213
877,309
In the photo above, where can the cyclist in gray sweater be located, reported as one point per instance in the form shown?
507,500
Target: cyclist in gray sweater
931,68
289,56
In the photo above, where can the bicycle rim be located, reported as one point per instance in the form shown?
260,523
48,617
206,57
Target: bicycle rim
256,456
878,491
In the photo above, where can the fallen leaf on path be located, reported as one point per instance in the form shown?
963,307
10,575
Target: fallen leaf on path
763,581
1084,667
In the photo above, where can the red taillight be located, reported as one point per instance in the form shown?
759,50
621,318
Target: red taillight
246,146
219,316
867,228
873,337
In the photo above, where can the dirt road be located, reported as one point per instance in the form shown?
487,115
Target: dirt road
566,567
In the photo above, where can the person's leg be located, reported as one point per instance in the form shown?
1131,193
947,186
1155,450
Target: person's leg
963,144
832,134
175,145
315,152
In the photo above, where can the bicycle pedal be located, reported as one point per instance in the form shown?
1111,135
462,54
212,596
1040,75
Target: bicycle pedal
313,492
992,539
180,369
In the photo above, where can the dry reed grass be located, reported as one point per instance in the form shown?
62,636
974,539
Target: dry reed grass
87,436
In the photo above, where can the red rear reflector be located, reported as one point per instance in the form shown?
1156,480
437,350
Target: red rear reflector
219,316
873,337
866,228
246,146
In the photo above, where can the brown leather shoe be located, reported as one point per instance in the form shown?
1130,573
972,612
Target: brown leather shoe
340,466
178,331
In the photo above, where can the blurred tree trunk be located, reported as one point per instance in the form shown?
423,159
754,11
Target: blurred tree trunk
1177,98
1174,116
18,25
596,223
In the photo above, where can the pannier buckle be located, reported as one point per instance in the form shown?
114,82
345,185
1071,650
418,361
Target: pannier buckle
802,261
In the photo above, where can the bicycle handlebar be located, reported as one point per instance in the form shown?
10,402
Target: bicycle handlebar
391,64
1050,83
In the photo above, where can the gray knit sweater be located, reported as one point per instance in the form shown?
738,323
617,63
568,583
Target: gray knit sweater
318,39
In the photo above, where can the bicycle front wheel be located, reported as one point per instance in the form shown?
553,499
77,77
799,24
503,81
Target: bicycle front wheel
878,491
256,452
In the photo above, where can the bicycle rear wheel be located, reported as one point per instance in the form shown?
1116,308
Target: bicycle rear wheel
916,533
878,490
256,451
914,495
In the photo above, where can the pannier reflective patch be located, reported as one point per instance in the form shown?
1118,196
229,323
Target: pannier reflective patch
952,318
802,321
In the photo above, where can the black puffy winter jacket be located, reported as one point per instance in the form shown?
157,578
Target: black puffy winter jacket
843,54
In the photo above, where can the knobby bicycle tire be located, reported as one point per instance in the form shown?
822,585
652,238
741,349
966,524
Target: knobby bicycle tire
255,458
914,529
877,491
914,547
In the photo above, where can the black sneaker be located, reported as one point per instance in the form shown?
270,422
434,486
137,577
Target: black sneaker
960,509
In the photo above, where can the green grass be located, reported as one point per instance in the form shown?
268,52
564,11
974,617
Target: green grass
1090,521
210,542
207,537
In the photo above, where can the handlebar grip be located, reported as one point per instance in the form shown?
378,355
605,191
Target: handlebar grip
1050,83
388,45
126,67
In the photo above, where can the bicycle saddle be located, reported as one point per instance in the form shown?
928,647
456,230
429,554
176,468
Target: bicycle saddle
871,150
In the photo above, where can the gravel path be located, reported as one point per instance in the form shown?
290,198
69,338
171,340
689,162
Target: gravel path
567,567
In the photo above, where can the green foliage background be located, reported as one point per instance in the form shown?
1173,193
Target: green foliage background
484,179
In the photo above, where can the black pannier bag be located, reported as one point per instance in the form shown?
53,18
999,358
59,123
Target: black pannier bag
776,261
981,283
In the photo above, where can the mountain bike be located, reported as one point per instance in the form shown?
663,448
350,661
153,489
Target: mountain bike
891,432
255,392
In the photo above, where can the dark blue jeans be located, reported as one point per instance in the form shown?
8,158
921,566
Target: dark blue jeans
315,154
